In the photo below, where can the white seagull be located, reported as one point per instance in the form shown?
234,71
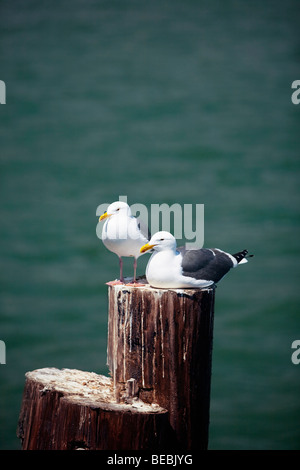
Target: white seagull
172,267
123,234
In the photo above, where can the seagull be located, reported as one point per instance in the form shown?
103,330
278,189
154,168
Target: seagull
172,267
123,234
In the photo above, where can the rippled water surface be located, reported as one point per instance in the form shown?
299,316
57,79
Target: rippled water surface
186,102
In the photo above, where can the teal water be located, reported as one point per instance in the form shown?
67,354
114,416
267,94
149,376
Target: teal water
186,102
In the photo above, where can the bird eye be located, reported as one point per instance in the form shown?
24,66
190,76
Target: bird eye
162,239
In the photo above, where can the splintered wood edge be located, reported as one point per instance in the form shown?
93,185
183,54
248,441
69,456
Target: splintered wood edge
87,389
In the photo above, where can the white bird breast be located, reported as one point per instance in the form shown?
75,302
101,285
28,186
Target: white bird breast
122,236
163,269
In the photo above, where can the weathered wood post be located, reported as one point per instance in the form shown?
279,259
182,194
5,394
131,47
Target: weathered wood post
70,409
163,339
157,398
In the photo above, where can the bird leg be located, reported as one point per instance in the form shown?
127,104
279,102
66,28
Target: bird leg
121,269
121,281
134,283
134,269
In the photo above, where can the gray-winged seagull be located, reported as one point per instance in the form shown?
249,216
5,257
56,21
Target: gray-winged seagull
172,267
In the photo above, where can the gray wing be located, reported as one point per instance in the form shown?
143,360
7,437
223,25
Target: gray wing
210,265
144,229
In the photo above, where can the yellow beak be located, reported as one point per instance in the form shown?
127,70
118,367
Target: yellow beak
146,247
104,216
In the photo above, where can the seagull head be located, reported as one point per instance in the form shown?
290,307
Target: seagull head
160,241
116,208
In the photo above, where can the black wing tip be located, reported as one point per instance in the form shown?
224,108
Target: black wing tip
241,255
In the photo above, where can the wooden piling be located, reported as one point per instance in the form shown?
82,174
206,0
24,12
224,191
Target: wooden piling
163,339
70,409
159,354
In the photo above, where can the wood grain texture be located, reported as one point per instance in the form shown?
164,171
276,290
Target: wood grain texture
163,339
158,396
69,409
